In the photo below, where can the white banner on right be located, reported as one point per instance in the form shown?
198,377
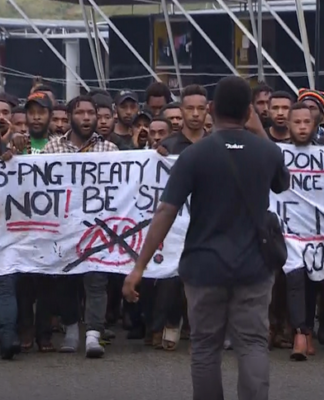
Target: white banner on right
301,209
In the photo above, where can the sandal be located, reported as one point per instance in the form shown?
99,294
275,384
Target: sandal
26,346
171,338
45,346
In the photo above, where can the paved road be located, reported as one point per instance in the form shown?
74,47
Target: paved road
132,371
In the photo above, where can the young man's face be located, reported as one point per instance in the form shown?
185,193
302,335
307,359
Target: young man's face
159,130
301,126
316,113
261,105
278,111
174,115
19,123
60,122
155,104
194,111
105,122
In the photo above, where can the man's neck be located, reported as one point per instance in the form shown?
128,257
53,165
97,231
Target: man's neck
77,140
193,135
280,135
121,129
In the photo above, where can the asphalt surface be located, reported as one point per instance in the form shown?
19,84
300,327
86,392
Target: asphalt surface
131,371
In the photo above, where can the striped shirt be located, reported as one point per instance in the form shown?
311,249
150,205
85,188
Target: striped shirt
63,144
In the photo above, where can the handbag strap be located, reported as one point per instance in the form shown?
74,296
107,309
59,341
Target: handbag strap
220,141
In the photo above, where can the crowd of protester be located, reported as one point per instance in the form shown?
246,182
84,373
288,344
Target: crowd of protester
33,306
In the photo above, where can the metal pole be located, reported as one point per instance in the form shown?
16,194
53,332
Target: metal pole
171,41
252,19
260,35
113,27
254,42
286,28
98,47
91,46
203,34
304,39
49,44
317,43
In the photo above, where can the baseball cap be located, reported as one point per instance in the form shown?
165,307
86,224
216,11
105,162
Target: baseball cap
125,95
41,99
142,113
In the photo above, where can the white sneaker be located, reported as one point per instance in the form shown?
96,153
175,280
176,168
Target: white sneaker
93,347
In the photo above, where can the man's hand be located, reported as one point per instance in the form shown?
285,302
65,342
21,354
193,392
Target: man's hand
19,141
162,151
7,154
129,288
5,137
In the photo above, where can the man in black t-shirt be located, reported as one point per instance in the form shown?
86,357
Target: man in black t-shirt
226,280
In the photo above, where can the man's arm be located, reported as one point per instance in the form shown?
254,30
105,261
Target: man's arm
176,192
281,179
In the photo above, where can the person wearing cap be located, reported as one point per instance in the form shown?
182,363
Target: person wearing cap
126,103
314,99
140,129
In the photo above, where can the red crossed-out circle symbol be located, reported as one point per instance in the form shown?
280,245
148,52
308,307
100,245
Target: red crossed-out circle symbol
95,235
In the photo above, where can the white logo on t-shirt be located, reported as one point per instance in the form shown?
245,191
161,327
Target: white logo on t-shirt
234,146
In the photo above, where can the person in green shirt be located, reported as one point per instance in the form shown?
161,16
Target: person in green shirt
39,109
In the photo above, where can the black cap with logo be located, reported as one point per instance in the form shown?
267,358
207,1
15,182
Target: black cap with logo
142,113
124,95
41,99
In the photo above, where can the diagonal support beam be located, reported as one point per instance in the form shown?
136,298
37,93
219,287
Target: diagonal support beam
90,41
114,28
49,44
204,36
285,27
255,43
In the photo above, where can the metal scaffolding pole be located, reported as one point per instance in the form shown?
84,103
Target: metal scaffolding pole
204,36
171,41
318,43
252,19
98,47
286,28
49,44
254,42
91,45
260,35
113,27
304,39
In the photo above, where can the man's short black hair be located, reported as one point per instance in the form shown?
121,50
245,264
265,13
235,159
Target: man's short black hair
193,90
281,94
171,106
232,98
102,92
73,104
162,119
60,107
18,110
158,89
298,106
44,88
103,101
260,88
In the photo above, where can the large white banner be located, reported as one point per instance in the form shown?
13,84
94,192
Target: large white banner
301,209
73,213
84,212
